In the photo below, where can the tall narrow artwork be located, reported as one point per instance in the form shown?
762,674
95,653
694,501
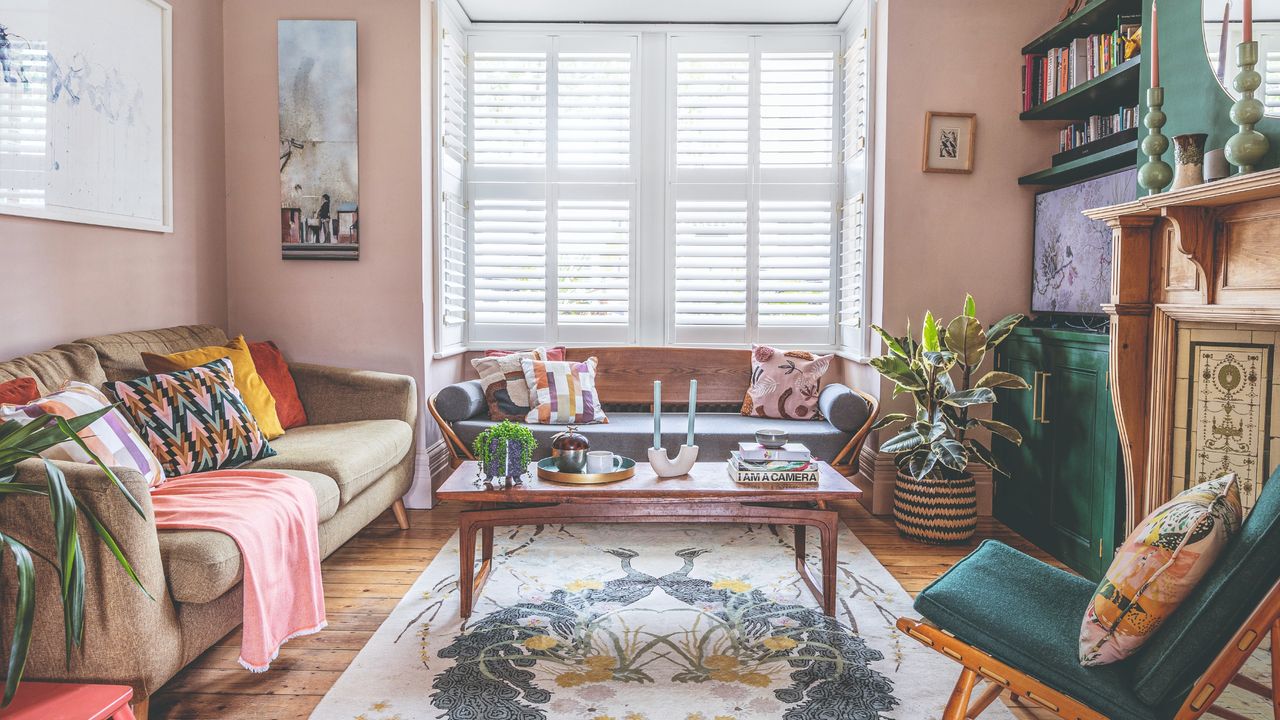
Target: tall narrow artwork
86,112
319,148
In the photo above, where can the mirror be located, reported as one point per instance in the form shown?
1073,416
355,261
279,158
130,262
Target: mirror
1223,28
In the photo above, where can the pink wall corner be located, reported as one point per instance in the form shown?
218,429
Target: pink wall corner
369,313
938,236
65,281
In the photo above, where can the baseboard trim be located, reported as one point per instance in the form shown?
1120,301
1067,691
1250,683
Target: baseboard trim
878,475
429,469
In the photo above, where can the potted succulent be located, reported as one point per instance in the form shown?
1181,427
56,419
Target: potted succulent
504,451
20,442
934,499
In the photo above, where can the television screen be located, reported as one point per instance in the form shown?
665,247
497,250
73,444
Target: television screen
1072,266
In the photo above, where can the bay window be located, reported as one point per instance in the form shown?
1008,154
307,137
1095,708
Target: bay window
542,236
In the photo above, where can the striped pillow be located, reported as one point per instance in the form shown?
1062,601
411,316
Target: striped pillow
111,437
562,393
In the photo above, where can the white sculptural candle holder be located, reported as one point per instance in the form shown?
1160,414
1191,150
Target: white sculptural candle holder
667,467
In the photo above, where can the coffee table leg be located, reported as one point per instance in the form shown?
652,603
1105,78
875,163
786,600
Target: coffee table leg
466,564
830,531
486,544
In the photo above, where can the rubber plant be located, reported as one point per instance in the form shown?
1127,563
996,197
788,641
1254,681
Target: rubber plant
935,499
20,442
504,450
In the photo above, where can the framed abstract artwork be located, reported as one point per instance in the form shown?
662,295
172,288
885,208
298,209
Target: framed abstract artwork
86,112
948,142
319,140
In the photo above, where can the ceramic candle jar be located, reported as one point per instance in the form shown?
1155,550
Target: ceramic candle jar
1188,156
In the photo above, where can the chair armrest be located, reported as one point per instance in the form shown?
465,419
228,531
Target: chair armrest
128,638
332,395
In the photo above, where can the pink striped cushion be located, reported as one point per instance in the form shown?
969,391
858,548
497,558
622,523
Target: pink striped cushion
111,437
562,393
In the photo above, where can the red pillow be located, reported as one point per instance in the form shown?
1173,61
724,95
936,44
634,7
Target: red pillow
19,391
275,373
554,354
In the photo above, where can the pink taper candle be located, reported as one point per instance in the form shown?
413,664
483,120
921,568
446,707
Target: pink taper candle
1155,47
1248,20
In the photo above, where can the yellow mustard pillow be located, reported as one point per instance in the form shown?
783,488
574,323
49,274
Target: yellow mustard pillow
254,392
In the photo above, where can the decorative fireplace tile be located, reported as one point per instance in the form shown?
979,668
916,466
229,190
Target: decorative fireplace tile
1229,414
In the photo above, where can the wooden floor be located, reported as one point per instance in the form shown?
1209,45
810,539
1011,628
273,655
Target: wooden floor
365,579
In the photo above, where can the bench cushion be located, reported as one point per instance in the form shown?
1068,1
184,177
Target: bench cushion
1189,640
202,565
354,454
1027,614
631,434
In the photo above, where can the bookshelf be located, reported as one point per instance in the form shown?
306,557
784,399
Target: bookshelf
1118,87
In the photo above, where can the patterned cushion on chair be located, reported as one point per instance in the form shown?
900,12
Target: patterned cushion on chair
194,420
1155,569
563,392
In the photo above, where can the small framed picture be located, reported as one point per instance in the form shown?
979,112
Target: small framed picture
948,142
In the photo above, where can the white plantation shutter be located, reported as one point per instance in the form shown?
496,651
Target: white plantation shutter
594,109
508,257
754,189
711,257
796,109
795,258
852,288
855,97
451,160
593,259
23,125
852,251
453,259
508,106
712,109
453,100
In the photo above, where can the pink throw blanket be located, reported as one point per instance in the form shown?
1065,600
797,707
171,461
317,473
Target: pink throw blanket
273,518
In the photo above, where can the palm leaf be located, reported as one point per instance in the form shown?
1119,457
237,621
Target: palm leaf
24,616
109,540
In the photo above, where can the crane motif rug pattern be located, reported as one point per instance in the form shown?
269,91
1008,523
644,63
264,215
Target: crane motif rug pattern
653,622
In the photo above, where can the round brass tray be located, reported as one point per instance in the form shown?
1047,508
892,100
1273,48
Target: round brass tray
547,471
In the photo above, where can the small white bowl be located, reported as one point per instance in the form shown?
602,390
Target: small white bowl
772,439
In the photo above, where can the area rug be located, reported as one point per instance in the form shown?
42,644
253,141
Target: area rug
647,622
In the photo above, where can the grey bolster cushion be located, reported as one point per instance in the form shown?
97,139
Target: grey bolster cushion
461,401
844,408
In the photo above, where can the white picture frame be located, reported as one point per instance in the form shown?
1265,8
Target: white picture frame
107,158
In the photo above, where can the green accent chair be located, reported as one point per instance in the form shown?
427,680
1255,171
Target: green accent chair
1018,619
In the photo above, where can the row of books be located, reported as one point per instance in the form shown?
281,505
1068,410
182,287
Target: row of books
755,464
1096,127
1048,75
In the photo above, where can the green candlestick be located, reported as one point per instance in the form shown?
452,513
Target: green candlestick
1155,173
1246,147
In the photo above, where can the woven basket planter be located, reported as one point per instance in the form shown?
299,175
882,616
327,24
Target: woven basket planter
936,511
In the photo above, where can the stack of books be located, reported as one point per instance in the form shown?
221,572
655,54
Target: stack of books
1046,76
1096,127
792,464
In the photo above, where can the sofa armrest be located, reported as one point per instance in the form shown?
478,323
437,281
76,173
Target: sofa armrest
332,395
129,638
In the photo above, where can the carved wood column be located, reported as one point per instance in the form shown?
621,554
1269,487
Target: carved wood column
1130,311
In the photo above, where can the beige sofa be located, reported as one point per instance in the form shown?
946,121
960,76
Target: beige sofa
358,453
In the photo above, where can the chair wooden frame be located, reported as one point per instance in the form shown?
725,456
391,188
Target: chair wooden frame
1002,677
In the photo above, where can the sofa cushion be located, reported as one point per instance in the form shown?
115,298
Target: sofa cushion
354,454
54,367
461,401
631,434
201,565
1169,664
844,408
1027,614
121,354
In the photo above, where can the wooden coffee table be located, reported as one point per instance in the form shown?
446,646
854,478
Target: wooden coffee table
705,495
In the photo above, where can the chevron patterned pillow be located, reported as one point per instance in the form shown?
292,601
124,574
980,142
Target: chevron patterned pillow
193,420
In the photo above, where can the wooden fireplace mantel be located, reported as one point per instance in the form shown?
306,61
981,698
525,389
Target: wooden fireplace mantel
1208,253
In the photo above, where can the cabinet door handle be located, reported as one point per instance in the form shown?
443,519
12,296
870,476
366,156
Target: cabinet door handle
1044,398
1035,396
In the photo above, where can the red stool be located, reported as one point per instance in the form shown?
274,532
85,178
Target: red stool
69,701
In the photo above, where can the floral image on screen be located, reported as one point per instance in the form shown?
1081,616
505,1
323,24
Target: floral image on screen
1072,265
319,149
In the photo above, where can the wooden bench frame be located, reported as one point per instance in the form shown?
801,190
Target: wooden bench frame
625,377
1001,677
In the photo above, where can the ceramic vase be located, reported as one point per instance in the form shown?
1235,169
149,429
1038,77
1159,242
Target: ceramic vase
934,510
1216,166
1188,160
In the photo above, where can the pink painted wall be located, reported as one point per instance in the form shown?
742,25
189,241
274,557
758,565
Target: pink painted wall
937,236
358,314
93,280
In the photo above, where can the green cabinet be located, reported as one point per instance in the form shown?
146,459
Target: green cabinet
1064,490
